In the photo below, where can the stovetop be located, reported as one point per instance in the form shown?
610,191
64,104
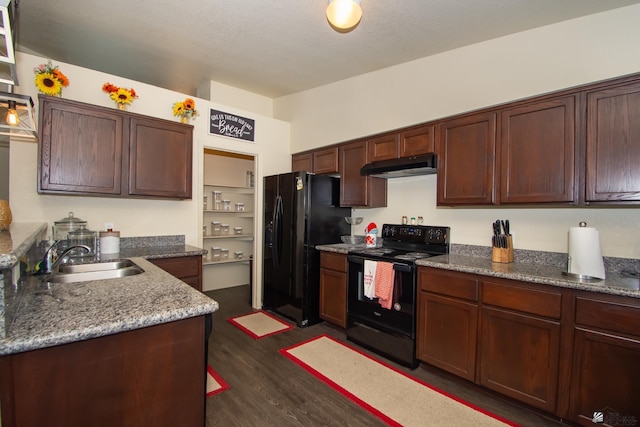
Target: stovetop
408,243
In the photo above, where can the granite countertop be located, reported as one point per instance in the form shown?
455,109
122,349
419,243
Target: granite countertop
16,241
615,283
49,314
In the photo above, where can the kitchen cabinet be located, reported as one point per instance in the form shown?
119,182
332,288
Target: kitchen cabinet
89,150
466,149
447,328
186,268
613,144
153,376
605,372
409,142
322,162
537,149
333,288
357,190
519,354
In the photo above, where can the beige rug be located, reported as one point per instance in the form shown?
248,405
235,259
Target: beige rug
260,324
391,395
215,383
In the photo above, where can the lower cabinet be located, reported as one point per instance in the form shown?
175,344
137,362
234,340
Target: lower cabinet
153,376
605,373
333,288
186,268
448,321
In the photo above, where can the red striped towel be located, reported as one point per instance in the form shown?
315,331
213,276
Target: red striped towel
384,284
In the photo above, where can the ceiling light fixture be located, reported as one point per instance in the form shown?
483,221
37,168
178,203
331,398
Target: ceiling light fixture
19,114
344,15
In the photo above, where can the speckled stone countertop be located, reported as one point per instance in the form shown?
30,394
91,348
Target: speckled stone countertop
615,283
16,241
51,314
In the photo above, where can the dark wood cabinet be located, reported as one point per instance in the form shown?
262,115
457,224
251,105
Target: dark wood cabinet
357,190
605,370
520,341
96,151
537,149
153,376
323,162
447,326
613,144
409,142
302,162
383,147
186,268
333,288
466,149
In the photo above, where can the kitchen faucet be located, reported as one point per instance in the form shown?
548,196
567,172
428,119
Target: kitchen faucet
48,265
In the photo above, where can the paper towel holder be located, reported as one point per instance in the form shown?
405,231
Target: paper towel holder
579,277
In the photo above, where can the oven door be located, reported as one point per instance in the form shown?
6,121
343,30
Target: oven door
401,317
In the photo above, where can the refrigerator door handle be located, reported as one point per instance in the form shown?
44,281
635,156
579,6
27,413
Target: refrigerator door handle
277,231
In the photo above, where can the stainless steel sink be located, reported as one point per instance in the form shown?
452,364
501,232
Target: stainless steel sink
95,271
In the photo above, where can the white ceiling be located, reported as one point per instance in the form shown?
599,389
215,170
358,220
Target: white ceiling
270,47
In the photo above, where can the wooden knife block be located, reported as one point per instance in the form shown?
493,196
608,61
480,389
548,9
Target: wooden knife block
503,255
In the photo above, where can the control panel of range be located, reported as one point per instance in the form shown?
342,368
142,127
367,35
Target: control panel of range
416,233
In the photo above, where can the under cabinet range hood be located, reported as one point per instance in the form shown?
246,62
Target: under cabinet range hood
404,166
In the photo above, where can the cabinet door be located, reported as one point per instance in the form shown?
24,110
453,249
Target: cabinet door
537,148
447,332
605,378
333,296
357,190
383,147
302,162
160,158
519,356
416,141
613,144
186,268
326,161
466,152
80,149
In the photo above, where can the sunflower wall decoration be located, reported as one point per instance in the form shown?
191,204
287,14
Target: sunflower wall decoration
49,79
185,110
121,96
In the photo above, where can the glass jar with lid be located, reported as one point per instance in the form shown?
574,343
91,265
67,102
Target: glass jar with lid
82,236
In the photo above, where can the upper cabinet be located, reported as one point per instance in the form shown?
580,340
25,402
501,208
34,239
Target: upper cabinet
406,143
466,160
537,148
613,144
357,190
324,161
96,151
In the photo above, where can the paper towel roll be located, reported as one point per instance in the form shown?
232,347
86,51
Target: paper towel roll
585,257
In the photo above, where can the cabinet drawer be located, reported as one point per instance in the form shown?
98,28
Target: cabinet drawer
618,316
333,261
180,267
541,302
456,285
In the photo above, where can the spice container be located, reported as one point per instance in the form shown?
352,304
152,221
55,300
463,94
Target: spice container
204,202
224,228
215,228
240,207
217,200
204,230
224,253
226,205
237,230
404,220
238,254
215,253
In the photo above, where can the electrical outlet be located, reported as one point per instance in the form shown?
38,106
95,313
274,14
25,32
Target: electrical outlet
108,225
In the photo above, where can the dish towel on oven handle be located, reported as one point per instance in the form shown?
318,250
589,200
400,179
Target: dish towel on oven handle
384,284
369,278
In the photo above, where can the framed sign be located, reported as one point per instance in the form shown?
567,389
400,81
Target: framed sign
227,124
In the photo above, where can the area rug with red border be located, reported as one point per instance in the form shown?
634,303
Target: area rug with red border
393,396
215,383
260,324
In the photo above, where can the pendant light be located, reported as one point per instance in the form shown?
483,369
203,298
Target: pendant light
344,15
17,117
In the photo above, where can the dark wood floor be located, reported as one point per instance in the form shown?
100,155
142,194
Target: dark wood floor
267,389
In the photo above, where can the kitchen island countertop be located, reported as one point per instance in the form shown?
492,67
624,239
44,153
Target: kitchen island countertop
50,314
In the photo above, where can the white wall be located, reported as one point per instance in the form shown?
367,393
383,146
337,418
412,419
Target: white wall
542,60
138,217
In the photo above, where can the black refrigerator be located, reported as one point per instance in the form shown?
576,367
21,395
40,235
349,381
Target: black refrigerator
301,211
